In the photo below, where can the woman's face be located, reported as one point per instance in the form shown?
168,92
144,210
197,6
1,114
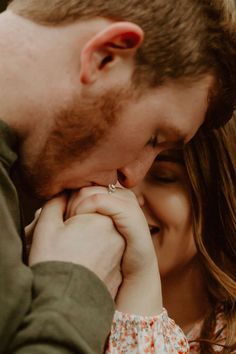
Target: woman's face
165,199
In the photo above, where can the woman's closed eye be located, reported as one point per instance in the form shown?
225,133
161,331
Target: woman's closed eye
166,172
162,177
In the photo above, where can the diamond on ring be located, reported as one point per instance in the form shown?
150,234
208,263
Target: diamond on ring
111,188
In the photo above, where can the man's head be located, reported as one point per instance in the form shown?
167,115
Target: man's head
183,40
109,91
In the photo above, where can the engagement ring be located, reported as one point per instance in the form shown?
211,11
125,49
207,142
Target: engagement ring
111,188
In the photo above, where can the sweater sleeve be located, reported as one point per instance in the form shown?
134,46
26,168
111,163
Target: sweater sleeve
138,334
71,312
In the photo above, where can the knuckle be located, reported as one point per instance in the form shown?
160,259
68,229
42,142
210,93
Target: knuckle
83,192
96,198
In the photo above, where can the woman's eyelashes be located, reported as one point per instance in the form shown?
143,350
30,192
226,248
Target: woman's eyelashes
166,172
163,178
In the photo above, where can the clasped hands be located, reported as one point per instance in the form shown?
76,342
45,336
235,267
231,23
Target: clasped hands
108,234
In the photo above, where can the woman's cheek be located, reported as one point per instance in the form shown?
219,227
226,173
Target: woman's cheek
173,207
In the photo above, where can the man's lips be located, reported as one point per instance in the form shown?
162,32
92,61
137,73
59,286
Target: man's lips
154,229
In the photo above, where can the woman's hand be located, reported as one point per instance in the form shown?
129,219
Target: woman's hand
140,291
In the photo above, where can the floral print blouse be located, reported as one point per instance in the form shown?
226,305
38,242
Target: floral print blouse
133,334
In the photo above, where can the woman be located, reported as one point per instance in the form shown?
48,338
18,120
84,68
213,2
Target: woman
188,199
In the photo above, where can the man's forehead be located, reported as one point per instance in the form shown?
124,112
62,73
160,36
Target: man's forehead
179,124
179,109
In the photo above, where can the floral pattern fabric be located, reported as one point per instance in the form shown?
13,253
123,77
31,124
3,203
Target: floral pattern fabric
132,334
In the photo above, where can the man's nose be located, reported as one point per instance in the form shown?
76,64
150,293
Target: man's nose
133,173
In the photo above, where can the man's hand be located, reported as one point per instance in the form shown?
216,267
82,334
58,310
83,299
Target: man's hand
88,240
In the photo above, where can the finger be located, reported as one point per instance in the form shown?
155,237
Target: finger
53,211
78,196
123,213
103,204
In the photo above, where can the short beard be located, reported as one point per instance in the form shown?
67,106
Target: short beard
75,135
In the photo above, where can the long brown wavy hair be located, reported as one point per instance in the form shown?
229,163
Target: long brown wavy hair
211,165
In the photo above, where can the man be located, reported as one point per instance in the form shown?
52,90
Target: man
91,92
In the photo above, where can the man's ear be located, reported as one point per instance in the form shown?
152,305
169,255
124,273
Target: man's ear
118,40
